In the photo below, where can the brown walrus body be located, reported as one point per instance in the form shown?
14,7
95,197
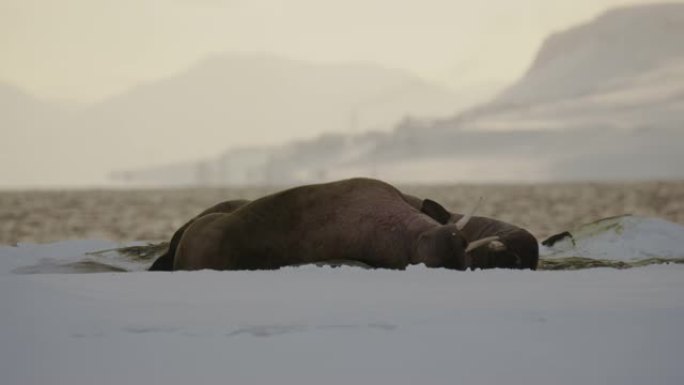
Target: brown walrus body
358,219
516,247
165,262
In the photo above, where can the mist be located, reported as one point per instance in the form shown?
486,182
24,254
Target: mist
247,93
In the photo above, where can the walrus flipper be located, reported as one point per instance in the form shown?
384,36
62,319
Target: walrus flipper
163,263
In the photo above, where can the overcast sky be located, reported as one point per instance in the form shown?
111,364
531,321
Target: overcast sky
85,50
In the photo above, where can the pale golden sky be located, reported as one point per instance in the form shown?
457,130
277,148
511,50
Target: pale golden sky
85,50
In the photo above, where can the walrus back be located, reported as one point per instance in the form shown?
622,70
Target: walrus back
200,245
356,219
165,262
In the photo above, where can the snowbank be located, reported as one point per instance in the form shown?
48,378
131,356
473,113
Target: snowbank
345,325
341,326
621,238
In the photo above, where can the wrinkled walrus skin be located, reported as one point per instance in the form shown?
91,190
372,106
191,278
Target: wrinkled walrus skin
357,219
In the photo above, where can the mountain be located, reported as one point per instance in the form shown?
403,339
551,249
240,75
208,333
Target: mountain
32,137
226,101
602,101
600,55
245,100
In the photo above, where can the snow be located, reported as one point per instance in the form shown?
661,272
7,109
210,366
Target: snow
343,325
57,257
622,238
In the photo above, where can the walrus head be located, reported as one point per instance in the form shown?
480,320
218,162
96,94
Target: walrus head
446,243
517,249
443,246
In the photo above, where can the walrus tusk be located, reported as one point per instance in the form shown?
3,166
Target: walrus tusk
497,246
464,220
480,242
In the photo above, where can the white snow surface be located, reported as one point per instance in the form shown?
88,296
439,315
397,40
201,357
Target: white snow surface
622,238
343,325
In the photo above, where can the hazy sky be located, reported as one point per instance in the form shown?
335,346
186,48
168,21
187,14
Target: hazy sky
87,49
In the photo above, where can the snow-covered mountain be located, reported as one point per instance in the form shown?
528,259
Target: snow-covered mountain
603,100
612,51
624,69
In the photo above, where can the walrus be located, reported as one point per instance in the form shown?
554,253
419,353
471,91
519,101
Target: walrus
360,219
514,248
165,261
